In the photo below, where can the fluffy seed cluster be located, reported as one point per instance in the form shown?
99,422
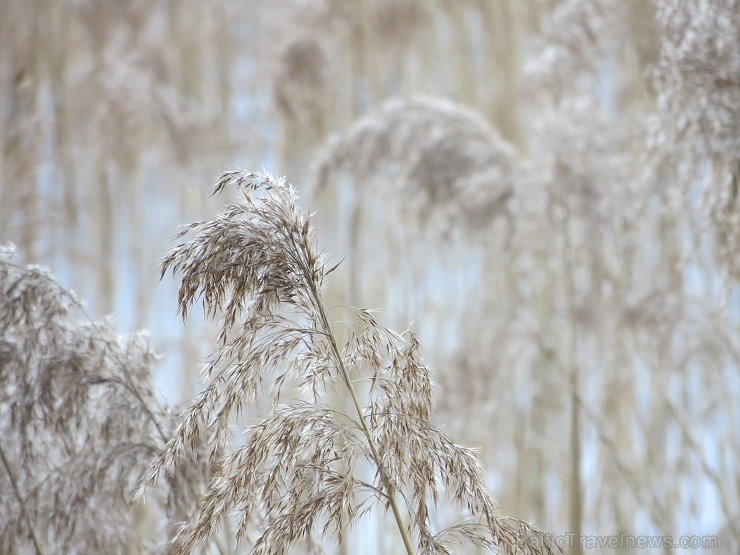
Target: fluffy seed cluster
697,80
307,468
78,421
439,153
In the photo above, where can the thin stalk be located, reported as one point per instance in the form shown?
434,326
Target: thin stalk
575,490
656,513
17,492
363,424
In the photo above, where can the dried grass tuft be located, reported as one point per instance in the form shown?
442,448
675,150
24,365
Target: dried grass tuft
453,169
78,419
300,470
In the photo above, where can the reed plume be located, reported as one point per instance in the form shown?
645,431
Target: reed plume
697,85
452,168
300,469
79,420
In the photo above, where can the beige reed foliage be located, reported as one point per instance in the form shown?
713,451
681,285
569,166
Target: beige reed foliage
453,169
78,419
302,468
697,84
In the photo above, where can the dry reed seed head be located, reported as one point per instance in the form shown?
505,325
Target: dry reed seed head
697,77
697,81
78,419
576,38
288,476
251,262
452,168
584,187
303,77
297,471
585,163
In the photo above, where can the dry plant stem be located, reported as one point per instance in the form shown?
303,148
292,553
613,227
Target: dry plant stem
345,377
575,493
657,514
17,492
712,475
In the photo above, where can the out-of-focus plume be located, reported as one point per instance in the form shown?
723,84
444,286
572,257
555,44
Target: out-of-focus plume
444,163
697,80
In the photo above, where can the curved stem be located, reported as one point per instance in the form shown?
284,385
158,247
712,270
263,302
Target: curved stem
385,480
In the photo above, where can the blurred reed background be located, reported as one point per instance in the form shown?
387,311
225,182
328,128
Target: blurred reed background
548,189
